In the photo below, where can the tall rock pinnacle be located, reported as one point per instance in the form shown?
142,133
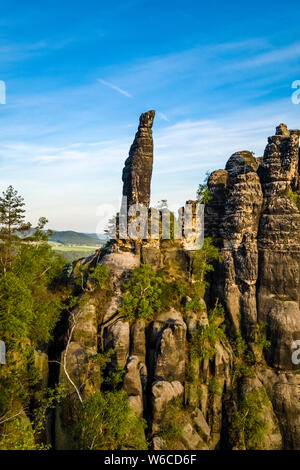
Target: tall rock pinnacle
137,172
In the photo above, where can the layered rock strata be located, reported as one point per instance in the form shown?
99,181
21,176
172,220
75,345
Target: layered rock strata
256,226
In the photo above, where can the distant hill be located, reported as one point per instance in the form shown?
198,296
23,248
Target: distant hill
70,237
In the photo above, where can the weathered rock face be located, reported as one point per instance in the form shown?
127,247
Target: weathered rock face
257,227
279,246
76,362
279,168
137,172
163,393
167,347
273,439
133,383
117,338
233,217
286,403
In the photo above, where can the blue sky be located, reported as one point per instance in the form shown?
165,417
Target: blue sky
78,74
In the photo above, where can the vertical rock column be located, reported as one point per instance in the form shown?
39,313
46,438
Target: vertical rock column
130,349
136,178
137,171
257,225
279,276
233,217
279,245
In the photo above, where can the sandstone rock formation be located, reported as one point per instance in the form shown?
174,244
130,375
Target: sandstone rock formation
256,226
258,230
137,172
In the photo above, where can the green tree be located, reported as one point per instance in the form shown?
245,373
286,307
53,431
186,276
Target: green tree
30,306
39,233
18,432
203,259
12,224
142,294
248,425
172,423
206,337
203,193
107,422
98,276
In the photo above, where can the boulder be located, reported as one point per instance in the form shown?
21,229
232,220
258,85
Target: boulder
117,337
168,338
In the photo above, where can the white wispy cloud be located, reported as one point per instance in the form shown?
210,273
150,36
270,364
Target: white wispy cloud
116,88
21,51
252,43
278,55
80,156
200,72
162,116
87,174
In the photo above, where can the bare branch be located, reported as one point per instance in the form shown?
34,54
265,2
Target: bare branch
65,359
11,417
64,363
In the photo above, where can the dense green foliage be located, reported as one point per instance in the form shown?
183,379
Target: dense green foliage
35,289
171,424
149,291
12,224
205,337
98,276
244,357
29,302
142,294
203,193
261,340
248,426
203,259
106,421
30,306
18,432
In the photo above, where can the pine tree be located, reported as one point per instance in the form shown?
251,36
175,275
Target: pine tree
12,224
